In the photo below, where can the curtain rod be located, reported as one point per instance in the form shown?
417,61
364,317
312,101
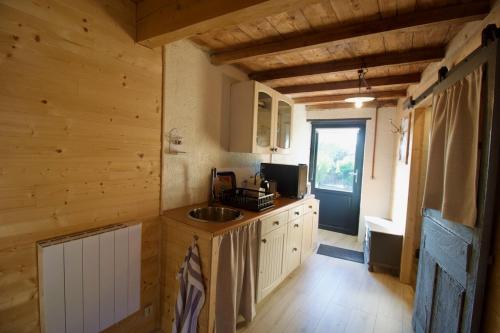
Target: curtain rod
489,34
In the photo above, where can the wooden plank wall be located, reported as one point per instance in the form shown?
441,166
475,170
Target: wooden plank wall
80,131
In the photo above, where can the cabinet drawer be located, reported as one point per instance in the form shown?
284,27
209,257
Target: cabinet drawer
273,222
309,206
295,212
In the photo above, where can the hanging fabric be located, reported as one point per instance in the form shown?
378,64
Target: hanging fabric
451,180
191,296
236,277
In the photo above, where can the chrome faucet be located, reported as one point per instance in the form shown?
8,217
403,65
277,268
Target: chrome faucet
211,198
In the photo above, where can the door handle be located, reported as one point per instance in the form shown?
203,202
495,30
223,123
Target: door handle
355,174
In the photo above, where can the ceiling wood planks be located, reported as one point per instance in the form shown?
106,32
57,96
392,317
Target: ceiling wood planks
350,84
310,100
313,48
369,61
454,13
164,21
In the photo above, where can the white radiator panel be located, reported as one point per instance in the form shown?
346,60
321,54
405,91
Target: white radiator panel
91,287
73,285
107,279
121,274
134,274
52,263
90,281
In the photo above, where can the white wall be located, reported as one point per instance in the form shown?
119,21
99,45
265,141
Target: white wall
196,102
376,193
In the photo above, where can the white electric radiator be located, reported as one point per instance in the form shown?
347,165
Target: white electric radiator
91,280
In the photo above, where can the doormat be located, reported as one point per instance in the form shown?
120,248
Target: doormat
337,252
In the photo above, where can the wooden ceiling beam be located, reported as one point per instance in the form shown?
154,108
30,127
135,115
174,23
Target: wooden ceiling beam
350,84
459,13
345,105
310,100
164,21
369,61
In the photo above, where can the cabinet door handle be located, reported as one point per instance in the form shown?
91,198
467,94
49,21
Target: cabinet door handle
315,213
310,206
276,223
296,213
295,225
264,241
294,249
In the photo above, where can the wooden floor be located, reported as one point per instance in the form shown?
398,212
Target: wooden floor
331,295
339,240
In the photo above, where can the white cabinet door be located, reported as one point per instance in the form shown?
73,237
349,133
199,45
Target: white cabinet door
307,236
283,125
315,225
294,244
264,114
271,261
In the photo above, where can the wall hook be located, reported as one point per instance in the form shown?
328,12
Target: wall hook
395,128
174,139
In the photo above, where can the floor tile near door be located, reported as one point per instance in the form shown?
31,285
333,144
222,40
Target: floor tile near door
331,295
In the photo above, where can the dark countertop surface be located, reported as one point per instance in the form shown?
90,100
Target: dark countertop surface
214,228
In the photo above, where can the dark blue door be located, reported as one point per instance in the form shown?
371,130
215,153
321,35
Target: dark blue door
337,149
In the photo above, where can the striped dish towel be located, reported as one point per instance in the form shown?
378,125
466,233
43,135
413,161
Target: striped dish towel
191,295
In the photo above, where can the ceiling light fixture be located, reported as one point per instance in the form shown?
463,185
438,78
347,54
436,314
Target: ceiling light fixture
361,98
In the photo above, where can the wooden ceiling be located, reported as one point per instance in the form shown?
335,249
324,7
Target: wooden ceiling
311,71
315,48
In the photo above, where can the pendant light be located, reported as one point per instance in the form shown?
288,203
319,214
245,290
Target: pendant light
361,98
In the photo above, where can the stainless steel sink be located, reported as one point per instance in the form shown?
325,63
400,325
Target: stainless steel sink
215,214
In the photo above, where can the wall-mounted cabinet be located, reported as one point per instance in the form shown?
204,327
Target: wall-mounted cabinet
261,119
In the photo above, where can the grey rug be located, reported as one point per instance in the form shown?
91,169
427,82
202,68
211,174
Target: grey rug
337,252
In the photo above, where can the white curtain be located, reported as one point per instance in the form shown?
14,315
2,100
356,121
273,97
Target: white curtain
236,277
451,182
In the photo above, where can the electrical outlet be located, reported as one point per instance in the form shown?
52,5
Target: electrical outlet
148,310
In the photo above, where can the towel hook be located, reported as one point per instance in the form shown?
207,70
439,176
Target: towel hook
195,238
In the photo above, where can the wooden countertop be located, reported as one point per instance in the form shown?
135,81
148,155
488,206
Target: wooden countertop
214,229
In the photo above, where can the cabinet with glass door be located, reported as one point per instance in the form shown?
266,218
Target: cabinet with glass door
261,119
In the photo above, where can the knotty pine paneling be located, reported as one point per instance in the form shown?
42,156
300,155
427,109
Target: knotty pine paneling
80,141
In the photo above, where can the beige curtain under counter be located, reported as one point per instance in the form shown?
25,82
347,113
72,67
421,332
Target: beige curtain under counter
453,164
236,277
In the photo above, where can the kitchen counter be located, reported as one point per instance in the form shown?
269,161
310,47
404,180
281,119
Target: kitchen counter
214,229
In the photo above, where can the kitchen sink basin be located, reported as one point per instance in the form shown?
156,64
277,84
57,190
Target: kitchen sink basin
215,214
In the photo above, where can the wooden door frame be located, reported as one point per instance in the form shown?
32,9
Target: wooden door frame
339,123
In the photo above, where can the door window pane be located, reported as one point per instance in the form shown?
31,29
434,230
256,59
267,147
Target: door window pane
335,160
264,120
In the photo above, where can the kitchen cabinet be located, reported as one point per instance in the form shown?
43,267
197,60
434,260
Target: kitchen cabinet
309,228
280,233
260,119
271,261
287,239
307,236
294,244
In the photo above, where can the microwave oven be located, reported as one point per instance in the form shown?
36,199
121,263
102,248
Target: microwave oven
291,180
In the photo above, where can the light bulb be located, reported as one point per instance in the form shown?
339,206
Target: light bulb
358,104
